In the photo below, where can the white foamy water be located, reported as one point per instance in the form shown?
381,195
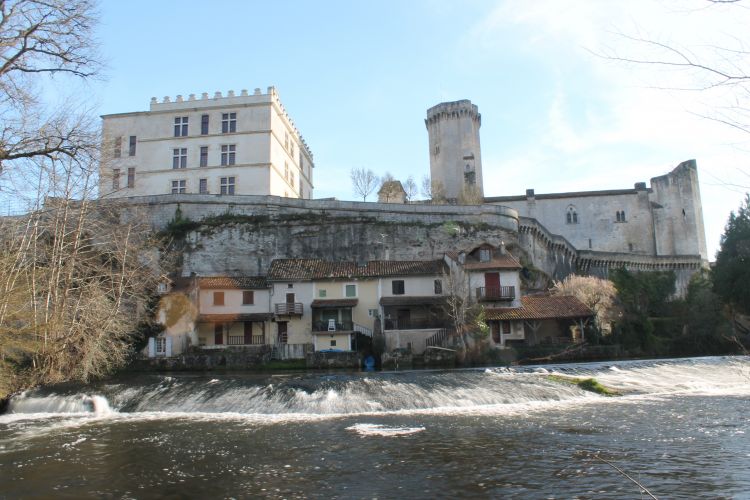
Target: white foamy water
383,430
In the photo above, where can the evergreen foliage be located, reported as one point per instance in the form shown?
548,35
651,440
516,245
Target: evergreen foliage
732,270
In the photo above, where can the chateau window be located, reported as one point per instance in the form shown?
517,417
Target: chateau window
350,291
292,152
131,177
203,186
204,124
179,158
218,298
621,216
470,178
228,154
115,178
248,297
291,179
203,162
484,255
300,187
438,287
286,171
181,126
118,147
397,287
227,185
286,140
131,148
571,217
178,187
228,123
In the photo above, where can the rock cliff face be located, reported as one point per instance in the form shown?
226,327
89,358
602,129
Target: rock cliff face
247,247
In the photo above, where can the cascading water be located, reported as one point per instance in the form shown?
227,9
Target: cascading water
346,394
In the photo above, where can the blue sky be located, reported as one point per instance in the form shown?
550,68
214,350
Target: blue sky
357,78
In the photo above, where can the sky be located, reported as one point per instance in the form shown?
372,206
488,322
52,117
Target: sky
357,78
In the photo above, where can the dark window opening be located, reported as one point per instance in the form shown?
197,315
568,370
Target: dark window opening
397,287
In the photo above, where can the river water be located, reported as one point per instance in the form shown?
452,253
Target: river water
681,429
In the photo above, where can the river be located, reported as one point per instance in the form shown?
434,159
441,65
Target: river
681,429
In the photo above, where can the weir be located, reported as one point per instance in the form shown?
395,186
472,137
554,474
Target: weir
314,395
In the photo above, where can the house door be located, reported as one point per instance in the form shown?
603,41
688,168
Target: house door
495,328
282,336
403,318
492,283
218,334
290,298
248,332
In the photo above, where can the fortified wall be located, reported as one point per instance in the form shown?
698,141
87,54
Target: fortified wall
241,235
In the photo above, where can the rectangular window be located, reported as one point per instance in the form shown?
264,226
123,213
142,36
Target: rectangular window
204,156
227,185
286,171
291,179
228,123
322,293
181,126
228,152
397,287
203,186
118,147
350,291
178,187
248,297
131,177
115,178
438,287
484,255
179,158
131,146
204,124
218,298
333,343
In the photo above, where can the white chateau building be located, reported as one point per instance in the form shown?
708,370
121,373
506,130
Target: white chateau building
225,145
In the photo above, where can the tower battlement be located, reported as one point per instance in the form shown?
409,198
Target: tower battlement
454,109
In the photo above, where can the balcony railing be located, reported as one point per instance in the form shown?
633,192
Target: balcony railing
242,340
496,293
339,326
289,309
409,324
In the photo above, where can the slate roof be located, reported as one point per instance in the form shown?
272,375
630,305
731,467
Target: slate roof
228,282
311,269
333,303
541,307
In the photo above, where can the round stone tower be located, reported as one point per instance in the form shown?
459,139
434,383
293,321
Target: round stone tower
455,154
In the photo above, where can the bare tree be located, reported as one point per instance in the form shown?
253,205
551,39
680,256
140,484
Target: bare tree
470,195
38,39
74,281
466,315
364,182
433,191
410,187
596,293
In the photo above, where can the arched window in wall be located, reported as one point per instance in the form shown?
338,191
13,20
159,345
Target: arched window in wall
571,217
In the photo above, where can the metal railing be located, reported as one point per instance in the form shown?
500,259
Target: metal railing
288,309
496,293
242,340
327,326
439,339
362,329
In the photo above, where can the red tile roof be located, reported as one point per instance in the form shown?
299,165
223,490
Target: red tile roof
500,261
541,307
237,282
310,269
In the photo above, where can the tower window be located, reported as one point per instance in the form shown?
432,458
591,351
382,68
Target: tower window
470,178
571,217
621,216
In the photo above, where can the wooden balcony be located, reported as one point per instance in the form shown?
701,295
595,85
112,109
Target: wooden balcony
288,309
497,293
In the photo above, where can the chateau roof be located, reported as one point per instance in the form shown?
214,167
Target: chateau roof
237,282
541,307
312,269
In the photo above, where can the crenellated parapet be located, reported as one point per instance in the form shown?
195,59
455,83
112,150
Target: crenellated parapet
453,110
